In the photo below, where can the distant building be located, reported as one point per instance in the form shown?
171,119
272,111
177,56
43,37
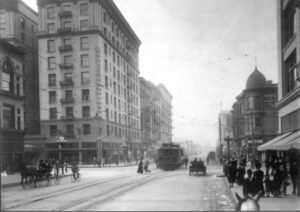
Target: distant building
156,115
89,80
225,129
254,115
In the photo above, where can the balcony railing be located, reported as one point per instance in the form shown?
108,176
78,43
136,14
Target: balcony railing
65,48
66,66
64,30
64,14
66,83
67,101
69,117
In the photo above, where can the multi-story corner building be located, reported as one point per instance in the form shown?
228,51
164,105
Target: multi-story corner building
254,115
89,81
156,116
12,58
288,104
225,129
18,24
166,114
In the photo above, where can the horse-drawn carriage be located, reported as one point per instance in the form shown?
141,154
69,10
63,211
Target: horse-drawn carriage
197,166
32,176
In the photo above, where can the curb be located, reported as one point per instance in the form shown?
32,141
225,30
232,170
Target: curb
9,185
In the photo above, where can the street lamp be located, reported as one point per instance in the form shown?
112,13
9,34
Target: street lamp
228,139
61,141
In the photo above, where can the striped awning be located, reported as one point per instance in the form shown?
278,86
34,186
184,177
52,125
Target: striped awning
286,141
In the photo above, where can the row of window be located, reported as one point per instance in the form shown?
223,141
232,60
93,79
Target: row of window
84,61
52,13
86,130
67,25
84,44
68,78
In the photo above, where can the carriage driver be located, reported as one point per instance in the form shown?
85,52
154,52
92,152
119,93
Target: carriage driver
74,169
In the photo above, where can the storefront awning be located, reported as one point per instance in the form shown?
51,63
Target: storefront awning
32,148
285,141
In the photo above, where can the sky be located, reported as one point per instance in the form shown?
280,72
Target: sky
203,52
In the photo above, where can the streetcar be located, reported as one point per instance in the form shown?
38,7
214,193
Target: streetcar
170,156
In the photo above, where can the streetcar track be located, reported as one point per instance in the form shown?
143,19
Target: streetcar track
113,192
86,186
63,191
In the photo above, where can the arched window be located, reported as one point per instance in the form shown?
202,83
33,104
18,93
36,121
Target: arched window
7,76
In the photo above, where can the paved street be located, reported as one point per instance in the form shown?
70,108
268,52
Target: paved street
121,188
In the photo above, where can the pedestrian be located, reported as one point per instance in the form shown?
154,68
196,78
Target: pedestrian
298,175
268,163
66,165
140,167
146,166
95,161
56,166
258,177
62,166
240,174
232,173
268,185
293,175
284,181
186,161
248,184
276,182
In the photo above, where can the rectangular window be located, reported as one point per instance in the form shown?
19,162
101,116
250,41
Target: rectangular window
69,112
85,78
85,93
107,130
83,9
70,130
52,96
7,82
105,66
53,130
52,113
51,45
84,24
86,129
84,60
290,70
8,116
116,131
51,28
68,59
84,43
50,12
67,24
106,99
289,21
51,63
22,23
86,111
69,94
105,48
51,80
67,41
106,82
23,37
68,77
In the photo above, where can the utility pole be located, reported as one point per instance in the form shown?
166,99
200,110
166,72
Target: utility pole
252,137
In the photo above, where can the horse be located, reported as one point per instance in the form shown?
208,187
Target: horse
26,174
248,203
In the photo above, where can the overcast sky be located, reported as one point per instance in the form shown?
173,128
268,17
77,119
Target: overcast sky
203,52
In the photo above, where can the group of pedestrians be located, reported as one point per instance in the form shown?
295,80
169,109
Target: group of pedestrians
143,167
279,174
46,165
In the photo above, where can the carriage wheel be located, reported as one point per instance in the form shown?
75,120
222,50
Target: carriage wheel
48,180
31,182
24,184
57,179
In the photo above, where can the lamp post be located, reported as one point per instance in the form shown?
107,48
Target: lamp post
61,141
228,139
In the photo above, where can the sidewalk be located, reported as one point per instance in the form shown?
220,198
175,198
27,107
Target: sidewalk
15,179
282,203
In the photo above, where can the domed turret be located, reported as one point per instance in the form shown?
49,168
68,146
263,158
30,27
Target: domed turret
256,80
